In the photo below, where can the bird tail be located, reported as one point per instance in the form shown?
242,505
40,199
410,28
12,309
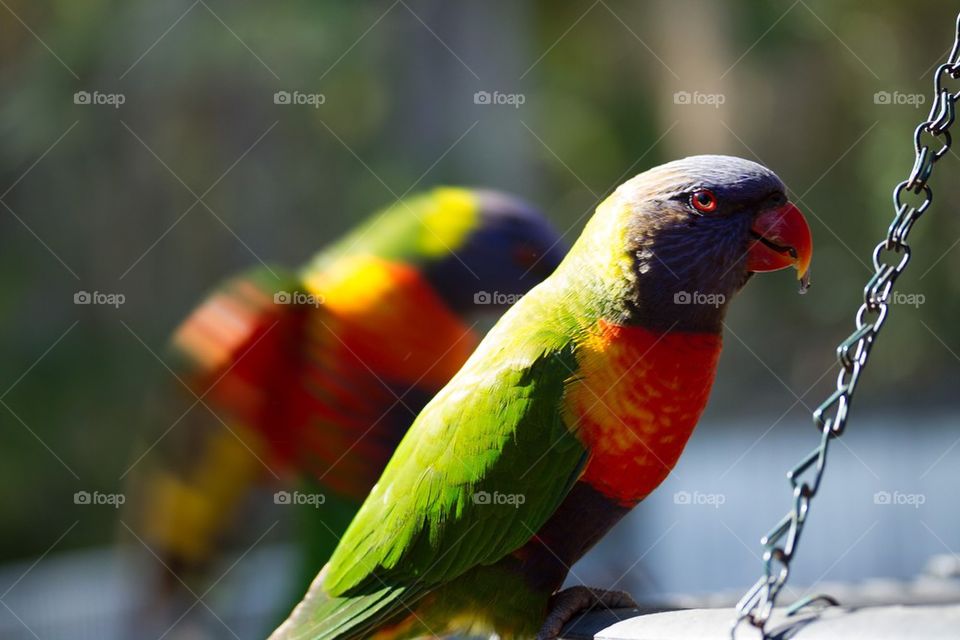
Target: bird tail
321,617
226,353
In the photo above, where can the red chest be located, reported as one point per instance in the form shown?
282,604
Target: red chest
635,401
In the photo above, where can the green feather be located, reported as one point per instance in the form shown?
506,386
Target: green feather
417,228
496,429
320,618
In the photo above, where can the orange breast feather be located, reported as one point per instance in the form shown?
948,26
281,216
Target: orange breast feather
635,401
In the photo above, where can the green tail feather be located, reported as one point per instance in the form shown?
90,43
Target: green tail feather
320,617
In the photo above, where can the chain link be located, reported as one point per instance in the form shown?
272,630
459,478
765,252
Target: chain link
911,198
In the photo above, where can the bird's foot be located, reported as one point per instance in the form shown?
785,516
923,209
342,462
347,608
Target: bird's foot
565,605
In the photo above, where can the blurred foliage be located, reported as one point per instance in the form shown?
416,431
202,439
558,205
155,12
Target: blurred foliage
102,207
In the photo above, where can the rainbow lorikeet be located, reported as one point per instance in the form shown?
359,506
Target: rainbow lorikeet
318,373
574,408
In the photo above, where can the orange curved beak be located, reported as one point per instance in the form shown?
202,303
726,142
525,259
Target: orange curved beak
781,239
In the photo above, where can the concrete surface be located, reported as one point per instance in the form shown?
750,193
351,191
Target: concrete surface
940,622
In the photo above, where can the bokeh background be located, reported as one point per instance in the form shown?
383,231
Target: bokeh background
199,174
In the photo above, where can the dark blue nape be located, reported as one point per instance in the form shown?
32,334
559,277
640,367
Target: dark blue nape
513,249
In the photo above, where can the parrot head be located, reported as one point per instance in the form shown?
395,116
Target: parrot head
507,248
695,230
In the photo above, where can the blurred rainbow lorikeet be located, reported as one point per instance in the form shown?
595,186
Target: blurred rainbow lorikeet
575,407
318,373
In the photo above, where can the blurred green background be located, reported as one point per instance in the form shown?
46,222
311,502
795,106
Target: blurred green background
98,198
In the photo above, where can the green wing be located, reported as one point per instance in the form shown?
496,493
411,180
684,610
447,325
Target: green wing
482,468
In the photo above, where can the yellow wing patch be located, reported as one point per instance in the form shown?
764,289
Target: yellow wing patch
390,318
353,286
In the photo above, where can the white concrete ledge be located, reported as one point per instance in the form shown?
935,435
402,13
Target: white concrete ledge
939,622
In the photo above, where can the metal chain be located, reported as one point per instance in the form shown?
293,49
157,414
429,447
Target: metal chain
890,258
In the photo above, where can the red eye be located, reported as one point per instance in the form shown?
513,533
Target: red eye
704,201
525,256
